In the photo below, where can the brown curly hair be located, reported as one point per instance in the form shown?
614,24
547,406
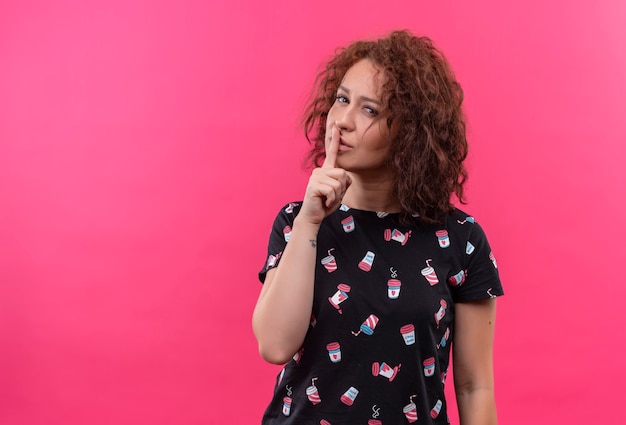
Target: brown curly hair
422,105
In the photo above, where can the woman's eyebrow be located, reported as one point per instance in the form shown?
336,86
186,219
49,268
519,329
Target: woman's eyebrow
369,99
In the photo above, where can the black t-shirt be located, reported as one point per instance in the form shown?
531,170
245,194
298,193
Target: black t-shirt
378,346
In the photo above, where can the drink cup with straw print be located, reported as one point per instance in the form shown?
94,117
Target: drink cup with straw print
368,326
329,262
312,393
429,273
287,233
410,410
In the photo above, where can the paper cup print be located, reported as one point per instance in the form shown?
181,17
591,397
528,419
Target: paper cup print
286,406
410,412
436,409
408,333
444,338
298,356
324,422
287,233
312,393
383,369
493,259
368,326
366,263
393,288
349,396
457,279
348,224
374,422
443,238
429,366
329,262
289,208
340,296
344,208
334,352
441,312
429,273
469,248
397,236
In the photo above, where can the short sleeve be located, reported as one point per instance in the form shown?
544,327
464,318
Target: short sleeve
482,279
279,236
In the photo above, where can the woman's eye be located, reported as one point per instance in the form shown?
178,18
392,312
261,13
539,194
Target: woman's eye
371,111
341,99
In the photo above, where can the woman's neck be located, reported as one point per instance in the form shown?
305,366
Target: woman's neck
371,194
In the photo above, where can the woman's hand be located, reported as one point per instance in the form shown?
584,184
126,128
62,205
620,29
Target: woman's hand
326,187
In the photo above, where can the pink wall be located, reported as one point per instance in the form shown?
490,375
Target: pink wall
146,146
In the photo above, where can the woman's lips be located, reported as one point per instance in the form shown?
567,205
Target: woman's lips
343,146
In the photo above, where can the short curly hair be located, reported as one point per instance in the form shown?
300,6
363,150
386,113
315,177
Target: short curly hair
422,105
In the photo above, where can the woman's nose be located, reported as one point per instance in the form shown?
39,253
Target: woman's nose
345,121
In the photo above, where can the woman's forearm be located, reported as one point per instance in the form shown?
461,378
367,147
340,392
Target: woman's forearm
477,407
283,312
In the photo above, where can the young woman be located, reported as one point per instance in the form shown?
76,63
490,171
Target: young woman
375,275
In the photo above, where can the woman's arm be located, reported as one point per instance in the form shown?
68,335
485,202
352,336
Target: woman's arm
473,361
283,311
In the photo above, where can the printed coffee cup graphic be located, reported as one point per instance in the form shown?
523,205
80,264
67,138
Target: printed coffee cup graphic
334,352
408,333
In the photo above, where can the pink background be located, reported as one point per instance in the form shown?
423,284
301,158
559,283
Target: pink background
146,146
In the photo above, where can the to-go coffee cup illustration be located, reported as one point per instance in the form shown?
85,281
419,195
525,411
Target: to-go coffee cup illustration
340,296
408,333
443,238
393,288
287,406
334,352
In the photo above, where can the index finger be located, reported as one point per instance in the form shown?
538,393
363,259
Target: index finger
332,149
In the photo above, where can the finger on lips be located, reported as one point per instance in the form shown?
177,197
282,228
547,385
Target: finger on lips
332,149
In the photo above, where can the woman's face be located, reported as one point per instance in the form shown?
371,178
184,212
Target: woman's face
363,143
